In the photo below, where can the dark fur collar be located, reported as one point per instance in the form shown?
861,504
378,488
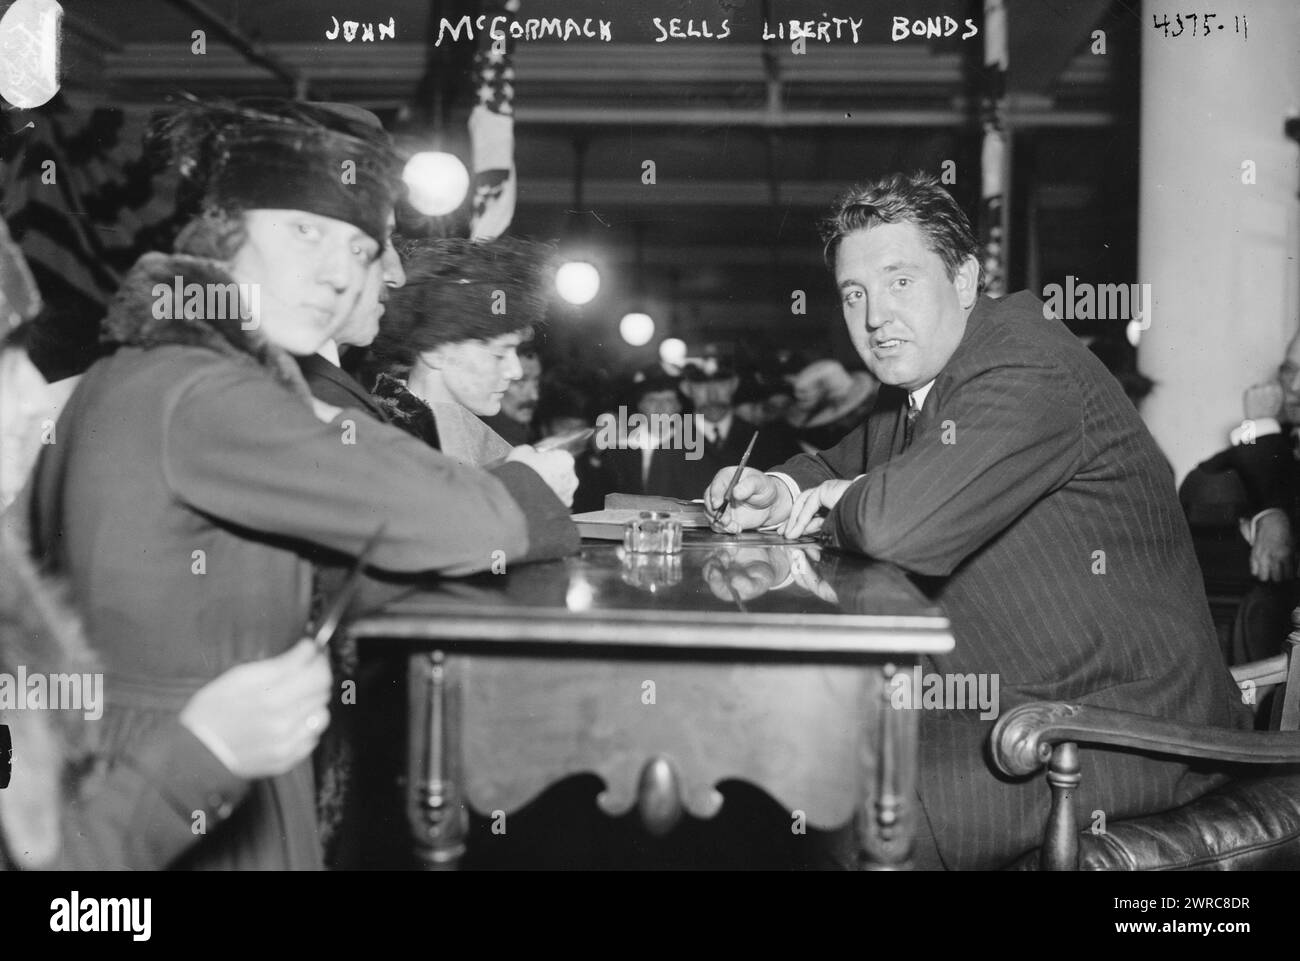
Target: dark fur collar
405,410
131,321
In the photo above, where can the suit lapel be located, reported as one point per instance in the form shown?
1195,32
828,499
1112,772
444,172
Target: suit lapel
322,368
885,426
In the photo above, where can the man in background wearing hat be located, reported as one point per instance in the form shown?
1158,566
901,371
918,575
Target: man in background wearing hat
646,461
514,422
711,387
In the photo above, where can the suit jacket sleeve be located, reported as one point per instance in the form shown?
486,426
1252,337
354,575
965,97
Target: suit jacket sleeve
239,447
1017,434
143,816
1266,468
845,459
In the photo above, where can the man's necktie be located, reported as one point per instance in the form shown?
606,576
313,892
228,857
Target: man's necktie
910,423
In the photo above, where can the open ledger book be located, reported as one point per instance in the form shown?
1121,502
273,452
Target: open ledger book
608,524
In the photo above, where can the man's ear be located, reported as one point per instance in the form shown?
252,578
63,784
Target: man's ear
967,282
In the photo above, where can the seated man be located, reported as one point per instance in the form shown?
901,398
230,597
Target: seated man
1250,486
1005,469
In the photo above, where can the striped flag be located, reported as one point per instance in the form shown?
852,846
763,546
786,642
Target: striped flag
492,129
83,204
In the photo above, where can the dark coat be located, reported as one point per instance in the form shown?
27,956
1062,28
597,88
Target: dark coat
1035,507
336,386
1268,469
61,810
189,470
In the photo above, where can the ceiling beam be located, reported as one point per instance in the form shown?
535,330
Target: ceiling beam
253,52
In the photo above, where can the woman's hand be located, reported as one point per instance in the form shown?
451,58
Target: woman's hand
263,718
555,467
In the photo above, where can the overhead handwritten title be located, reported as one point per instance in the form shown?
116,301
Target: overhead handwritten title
536,28
825,30
349,30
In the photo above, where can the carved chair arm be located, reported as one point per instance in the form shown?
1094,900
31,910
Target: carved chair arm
1023,738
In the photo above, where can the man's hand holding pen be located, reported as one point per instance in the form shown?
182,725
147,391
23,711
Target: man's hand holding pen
757,500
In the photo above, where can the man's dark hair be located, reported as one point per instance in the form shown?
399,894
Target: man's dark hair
910,199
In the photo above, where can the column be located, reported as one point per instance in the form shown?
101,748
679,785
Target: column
1219,251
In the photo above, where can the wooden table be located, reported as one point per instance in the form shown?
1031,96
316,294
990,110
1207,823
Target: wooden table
665,675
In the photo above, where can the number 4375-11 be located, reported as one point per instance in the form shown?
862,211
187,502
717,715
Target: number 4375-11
1182,22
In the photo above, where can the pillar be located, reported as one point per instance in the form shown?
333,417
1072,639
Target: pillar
1219,252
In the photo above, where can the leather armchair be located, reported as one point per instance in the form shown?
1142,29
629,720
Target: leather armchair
1248,823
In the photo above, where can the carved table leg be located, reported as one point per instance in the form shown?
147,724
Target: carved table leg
438,817
888,813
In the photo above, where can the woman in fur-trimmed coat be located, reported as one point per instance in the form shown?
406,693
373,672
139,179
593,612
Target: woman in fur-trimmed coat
447,349
193,466
189,465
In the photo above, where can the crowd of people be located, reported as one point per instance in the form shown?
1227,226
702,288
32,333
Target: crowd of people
188,505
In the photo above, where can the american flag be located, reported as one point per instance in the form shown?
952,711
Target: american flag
492,129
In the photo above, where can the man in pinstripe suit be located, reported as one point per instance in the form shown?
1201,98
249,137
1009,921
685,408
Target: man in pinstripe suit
1005,468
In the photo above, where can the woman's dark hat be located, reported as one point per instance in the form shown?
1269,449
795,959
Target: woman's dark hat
458,290
328,159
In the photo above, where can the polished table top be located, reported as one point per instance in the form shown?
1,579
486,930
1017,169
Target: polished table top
720,592
745,658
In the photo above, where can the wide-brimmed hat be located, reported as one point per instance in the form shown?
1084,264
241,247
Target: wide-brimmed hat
829,392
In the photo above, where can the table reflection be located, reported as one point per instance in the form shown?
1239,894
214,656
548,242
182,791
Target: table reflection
714,575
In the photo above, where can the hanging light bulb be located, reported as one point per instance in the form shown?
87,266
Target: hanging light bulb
673,352
577,282
436,182
637,328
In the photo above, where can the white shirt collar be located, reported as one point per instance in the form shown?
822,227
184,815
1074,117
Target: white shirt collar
330,351
917,397
711,431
